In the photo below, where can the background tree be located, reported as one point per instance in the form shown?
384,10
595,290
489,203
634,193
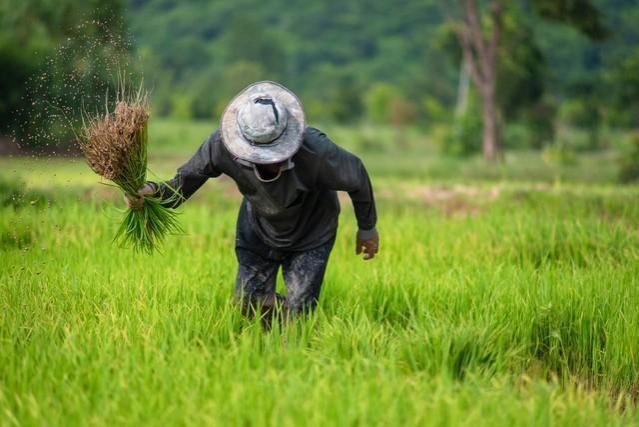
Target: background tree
480,42
195,55
623,94
479,33
56,57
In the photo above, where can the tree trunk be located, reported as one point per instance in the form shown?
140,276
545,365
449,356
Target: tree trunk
491,132
480,49
462,88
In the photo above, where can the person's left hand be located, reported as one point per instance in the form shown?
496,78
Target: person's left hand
367,241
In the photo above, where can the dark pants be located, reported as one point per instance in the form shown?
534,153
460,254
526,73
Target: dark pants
258,265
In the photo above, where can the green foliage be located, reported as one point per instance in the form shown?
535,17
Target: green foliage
559,153
535,128
377,100
385,104
182,106
329,53
13,193
540,119
339,57
435,111
345,100
577,113
522,69
465,136
585,114
401,112
57,57
581,14
623,91
464,132
249,40
516,136
629,161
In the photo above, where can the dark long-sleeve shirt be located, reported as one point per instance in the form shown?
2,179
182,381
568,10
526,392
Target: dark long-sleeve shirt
297,211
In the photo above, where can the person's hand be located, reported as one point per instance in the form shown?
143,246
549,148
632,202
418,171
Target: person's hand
137,202
367,241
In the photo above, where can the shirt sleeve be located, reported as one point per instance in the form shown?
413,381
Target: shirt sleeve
191,175
341,170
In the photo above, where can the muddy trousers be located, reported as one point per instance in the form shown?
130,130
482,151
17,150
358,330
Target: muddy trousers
303,273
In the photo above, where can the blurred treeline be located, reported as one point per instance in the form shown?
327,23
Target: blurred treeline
392,63
58,57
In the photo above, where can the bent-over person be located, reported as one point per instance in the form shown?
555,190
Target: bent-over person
289,174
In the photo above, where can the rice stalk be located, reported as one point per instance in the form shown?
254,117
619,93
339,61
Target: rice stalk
115,147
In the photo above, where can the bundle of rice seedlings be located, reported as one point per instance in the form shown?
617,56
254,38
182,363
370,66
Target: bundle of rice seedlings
115,147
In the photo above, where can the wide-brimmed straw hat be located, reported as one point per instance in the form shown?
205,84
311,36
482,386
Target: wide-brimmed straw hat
263,124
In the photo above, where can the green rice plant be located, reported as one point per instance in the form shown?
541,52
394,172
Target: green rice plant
522,312
115,147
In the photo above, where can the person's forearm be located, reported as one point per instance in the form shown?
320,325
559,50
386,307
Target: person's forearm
190,176
365,210
364,200
178,189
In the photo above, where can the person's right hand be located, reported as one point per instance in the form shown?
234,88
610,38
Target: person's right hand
137,202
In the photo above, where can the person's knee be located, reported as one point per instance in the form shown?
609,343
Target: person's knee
250,298
301,305
252,287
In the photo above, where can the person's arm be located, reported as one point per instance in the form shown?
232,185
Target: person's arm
189,178
341,170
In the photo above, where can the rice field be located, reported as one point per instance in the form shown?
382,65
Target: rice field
494,301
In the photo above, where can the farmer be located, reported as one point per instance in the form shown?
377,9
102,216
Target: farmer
289,174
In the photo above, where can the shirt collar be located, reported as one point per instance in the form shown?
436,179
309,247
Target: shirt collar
286,166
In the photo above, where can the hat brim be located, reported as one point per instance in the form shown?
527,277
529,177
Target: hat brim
282,148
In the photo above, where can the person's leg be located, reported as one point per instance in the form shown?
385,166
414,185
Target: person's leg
255,282
257,271
303,274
